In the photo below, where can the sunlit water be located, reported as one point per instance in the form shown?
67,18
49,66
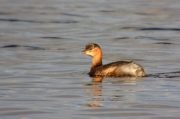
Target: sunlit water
44,76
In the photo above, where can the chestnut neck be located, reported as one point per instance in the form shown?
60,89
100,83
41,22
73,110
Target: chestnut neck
96,60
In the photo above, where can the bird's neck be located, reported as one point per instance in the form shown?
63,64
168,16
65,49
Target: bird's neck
96,61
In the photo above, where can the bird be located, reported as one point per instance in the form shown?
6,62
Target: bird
114,69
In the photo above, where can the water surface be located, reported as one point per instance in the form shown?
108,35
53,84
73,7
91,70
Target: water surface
44,76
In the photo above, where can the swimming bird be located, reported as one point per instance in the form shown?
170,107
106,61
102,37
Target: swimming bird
114,69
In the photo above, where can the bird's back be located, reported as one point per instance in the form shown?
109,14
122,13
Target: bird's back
119,69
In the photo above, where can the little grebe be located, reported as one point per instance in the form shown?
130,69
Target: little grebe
114,69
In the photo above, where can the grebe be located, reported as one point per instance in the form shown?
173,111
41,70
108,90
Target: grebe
114,69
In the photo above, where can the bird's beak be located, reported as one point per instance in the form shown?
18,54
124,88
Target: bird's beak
83,52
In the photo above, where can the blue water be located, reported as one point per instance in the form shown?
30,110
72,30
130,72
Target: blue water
44,76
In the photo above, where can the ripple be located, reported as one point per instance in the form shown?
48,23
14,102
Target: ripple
11,109
15,20
107,11
120,38
23,46
4,13
165,43
66,96
154,106
153,29
160,29
119,114
22,113
25,100
51,37
34,21
165,75
152,38
76,15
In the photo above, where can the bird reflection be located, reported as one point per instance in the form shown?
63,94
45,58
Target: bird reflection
95,91
124,80
97,79
98,96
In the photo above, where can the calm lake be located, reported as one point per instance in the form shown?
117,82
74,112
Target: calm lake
44,76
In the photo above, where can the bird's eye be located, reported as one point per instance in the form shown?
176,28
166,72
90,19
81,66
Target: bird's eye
90,49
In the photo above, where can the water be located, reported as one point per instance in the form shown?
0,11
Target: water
44,76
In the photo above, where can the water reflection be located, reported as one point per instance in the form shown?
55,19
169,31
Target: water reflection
98,96
122,79
97,79
91,105
95,92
